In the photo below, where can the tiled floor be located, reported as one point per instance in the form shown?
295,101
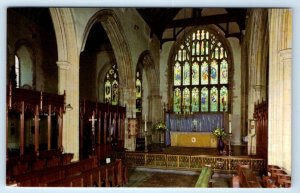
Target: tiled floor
171,178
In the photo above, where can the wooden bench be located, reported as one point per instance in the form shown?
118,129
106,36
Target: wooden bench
204,178
84,173
276,178
245,178
46,175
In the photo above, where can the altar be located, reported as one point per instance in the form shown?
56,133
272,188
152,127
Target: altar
193,139
193,130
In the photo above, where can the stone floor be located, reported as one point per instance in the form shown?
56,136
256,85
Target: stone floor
143,177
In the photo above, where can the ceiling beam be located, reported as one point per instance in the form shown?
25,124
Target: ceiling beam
204,20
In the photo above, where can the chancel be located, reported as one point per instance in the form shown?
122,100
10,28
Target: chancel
148,97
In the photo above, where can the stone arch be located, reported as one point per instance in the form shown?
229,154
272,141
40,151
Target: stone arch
68,72
115,33
64,28
146,62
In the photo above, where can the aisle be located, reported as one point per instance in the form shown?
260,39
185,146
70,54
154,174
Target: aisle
172,178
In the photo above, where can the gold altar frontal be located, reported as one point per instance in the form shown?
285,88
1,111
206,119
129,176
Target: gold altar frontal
193,139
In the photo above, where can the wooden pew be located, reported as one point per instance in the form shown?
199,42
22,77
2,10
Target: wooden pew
246,178
276,178
46,175
22,164
77,174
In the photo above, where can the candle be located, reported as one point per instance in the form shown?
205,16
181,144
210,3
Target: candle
145,122
229,126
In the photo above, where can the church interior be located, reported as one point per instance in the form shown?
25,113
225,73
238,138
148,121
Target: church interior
149,97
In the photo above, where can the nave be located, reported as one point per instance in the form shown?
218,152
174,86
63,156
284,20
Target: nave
95,94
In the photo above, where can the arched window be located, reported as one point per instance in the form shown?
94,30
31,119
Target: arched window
200,73
138,86
111,93
17,70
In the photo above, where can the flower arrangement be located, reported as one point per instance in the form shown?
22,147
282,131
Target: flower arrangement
160,126
219,133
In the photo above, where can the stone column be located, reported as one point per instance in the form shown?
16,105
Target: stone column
68,81
128,99
155,108
279,121
286,61
155,112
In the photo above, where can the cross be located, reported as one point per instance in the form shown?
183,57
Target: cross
195,122
93,120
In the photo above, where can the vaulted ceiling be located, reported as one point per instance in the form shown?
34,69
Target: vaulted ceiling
168,23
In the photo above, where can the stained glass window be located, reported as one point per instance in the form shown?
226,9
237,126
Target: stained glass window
138,94
195,100
214,72
204,73
200,72
195,73
111,87
186,100
224,72
224,98
213,99
204,99
186,74
177,100
177,74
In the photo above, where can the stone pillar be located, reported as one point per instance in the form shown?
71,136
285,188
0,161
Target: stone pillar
68,81
155,113
128,99
257,62
155,108
279,121
286,61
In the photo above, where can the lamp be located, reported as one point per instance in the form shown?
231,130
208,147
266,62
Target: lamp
68,107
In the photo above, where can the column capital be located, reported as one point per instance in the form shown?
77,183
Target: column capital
64,65
285,54
258,87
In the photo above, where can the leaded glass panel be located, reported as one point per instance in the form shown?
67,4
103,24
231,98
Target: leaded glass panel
200,69
177,100
186,100
224,98
214,72
114,93
214,99
195,100
177,74
111,87
186,74
195,73
204,99
107,91
204,73
224,72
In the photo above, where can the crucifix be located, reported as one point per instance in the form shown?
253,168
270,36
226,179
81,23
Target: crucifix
93,120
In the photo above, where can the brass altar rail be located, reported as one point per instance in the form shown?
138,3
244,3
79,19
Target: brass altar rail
194,162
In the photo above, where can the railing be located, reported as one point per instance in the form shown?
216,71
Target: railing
194,162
